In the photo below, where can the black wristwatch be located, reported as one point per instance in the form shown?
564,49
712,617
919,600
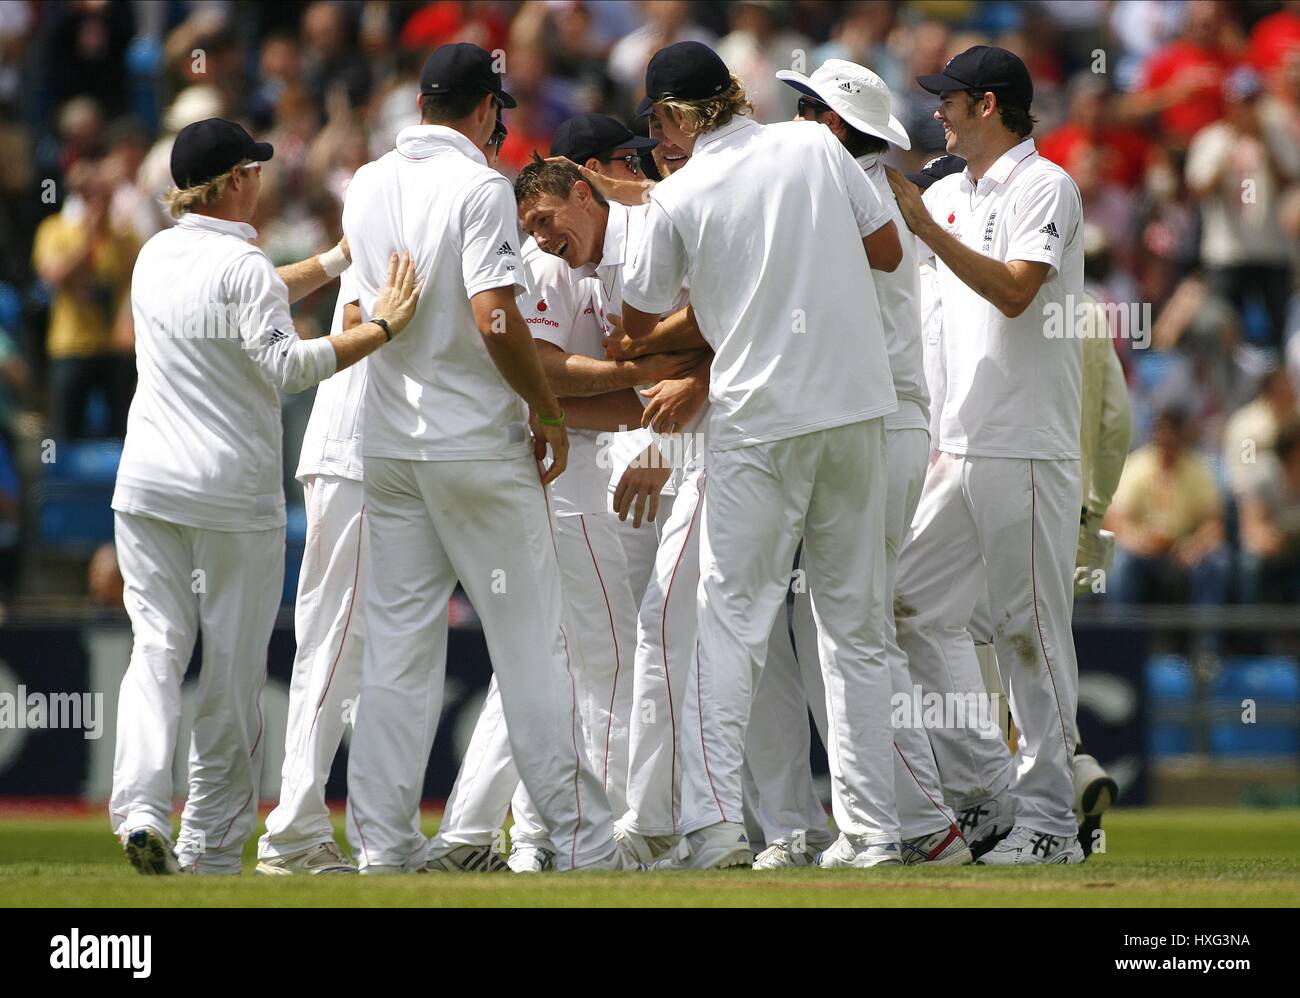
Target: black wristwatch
383,324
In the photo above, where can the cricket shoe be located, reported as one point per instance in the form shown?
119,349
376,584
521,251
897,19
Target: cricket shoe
782,855
1026,847
848,852
323,858
150,852
530,859
945,847
466,859
720,846
644,849
987,823
1094,792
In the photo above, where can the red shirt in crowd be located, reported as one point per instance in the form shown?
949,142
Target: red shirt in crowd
1124,151
1204,105
1272,38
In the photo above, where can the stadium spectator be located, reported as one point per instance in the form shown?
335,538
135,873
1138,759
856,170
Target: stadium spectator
1238,169
1124,152
86,264
757,47
1167,518
1270,524
928,48
1182,84
1253,428
666,22
330,55
862,35
84,52
1274,41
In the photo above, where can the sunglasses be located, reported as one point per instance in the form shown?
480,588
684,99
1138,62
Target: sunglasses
250,167
809,108
633,161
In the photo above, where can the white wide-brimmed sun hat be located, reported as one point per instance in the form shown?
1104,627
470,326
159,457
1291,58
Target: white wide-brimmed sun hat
856,94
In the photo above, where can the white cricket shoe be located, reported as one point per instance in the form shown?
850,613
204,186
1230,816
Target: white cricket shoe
466,859
720,846
643,849
945,847
985,824
849,852
527,858
1094,790
1026,847
149,852
323,858
782,855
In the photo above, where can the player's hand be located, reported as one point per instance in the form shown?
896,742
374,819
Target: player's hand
1096,553
656,367
628,192
675,402
915,214
552,438
618,345
400,294
638,490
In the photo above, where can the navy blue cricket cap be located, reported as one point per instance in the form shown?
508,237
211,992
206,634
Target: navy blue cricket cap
684,71
985,68
461,68
937,169
208,148
586,135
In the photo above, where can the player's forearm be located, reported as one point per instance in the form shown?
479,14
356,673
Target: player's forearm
353,344
637,324
303,277
574,375
611,411
991,279
679,331
515,357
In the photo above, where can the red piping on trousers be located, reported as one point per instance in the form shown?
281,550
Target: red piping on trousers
613,634
361,526
663,644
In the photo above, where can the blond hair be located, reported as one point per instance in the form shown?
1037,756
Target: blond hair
698,117
179,200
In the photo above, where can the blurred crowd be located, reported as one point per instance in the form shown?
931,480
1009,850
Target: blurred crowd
1180,121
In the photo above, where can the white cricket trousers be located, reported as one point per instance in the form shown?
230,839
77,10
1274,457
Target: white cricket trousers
829,486
181,582
486,523
641,545
1006,528
776,750
600,613
330,627
665,649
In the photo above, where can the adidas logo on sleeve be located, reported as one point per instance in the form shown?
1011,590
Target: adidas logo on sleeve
1050,229
507,250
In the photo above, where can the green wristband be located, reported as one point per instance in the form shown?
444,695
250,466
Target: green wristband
551,420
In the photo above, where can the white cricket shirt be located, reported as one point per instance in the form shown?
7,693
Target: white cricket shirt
767,223
433,394
932,342
559,307
1013,386
331,444
899,296
214,345
685,449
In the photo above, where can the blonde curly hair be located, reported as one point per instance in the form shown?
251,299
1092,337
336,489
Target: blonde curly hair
179,200
698,117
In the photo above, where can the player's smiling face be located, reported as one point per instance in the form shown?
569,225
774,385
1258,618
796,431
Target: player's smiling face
564,227
668,156
958,117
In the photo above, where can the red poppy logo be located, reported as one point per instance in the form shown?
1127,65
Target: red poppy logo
541,305
952,217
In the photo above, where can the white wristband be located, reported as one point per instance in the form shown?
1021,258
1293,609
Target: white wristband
333,262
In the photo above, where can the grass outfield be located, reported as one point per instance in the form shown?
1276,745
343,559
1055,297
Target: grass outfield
1155,857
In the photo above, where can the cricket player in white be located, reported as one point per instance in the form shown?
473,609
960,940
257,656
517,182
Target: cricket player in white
765,221
1000,509
854,104
199,505
576,240
453,488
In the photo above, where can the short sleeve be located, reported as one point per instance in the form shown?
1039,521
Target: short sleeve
1205,156
869,210
1047,215
549,303
656,268
490,244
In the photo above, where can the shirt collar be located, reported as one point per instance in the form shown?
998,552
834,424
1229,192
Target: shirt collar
193,220
615,248
422,141
734,125
1003,166
869,160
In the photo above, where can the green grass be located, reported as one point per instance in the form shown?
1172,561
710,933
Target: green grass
1155,857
